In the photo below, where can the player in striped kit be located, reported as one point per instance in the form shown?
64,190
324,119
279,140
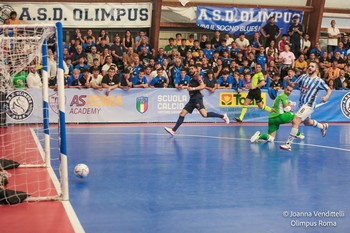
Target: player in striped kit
309,85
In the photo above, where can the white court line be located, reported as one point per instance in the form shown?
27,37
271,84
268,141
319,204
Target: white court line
213,137
73,218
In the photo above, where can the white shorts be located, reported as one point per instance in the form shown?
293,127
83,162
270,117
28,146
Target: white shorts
304,112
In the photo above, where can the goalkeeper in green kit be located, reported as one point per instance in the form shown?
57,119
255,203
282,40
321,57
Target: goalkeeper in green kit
281,114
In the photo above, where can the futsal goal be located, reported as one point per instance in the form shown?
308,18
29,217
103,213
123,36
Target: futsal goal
39,144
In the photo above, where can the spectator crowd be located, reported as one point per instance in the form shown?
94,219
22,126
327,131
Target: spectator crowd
225,62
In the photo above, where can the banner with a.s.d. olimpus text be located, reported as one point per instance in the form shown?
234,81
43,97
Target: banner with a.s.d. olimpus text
247,20
155,105
80,14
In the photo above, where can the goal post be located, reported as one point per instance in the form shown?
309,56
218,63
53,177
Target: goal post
23,51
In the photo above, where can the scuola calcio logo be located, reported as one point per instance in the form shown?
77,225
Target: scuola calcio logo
20,105
345,105
142,104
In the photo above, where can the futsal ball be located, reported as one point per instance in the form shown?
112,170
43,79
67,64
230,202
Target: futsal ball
81,170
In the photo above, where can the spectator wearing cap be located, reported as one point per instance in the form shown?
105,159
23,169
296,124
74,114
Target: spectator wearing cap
270,31
346,41
102,45
295,32
242,42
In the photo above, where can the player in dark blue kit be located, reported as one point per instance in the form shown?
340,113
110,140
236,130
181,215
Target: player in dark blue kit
196,101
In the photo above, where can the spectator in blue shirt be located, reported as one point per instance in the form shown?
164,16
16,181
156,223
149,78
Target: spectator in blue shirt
225,81
341,50
208,51
159,81
237,82
182,81
140,81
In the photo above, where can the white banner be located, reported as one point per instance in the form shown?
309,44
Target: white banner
81,15
154,105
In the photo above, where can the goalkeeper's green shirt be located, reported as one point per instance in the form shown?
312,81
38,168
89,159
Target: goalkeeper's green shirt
19,80
281,99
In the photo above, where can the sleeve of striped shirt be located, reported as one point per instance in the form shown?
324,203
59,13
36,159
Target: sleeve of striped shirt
323,85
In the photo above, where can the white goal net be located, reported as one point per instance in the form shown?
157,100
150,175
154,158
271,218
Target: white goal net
26,133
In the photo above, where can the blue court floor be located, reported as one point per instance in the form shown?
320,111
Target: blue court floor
209,178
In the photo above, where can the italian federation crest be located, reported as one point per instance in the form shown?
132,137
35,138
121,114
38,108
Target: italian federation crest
142,104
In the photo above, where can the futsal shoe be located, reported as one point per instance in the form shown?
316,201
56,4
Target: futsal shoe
255,137
324,130
170,131
286,147
238,119
226,119
300,136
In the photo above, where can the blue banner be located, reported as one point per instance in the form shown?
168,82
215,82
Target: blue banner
247,20
155,105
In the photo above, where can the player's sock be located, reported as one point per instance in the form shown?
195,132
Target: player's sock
292,135
213,114
179,121
318,124
264,136
266,108
244,111
271,138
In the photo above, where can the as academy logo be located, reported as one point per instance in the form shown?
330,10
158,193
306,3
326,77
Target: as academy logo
345,105
20,105
142,104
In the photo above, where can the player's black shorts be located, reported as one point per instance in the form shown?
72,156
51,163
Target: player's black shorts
255,94
194,103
